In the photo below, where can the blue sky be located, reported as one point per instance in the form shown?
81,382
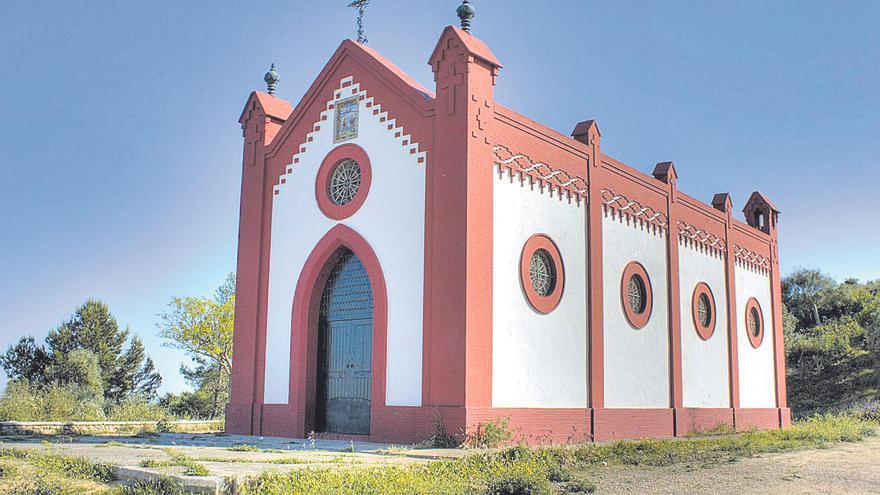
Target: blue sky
121,150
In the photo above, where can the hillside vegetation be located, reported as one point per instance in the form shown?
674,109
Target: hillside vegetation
832,343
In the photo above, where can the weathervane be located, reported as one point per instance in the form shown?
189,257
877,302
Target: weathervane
361,6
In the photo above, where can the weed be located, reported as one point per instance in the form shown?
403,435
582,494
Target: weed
489,434
244,447
441,439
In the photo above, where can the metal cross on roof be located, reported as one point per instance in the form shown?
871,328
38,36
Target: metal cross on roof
361,5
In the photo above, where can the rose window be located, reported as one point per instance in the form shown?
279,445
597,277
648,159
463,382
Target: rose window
345,182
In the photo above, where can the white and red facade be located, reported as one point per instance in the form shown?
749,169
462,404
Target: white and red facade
457,192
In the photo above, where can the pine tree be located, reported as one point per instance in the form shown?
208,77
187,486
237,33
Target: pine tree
124,372
26,361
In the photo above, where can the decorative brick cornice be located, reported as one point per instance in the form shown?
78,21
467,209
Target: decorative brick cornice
695,235
373,113
633,209
563,183
750,259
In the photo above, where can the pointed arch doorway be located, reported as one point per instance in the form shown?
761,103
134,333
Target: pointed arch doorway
345,343
306,322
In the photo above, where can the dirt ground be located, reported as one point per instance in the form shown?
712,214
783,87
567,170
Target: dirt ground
850,468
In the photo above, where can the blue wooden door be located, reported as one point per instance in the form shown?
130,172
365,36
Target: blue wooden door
345,349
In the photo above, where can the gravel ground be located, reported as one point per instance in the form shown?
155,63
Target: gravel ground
850,468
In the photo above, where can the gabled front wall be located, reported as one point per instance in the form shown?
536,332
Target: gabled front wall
391,220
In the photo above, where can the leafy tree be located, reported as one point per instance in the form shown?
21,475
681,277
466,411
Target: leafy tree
26,361
801,292
202,327
124,372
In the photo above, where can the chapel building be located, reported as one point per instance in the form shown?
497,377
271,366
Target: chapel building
410,255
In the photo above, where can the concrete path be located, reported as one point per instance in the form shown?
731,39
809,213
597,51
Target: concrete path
224,456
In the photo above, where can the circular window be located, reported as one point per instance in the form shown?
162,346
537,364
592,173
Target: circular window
754,322
635,294
703,307
541,273
343,181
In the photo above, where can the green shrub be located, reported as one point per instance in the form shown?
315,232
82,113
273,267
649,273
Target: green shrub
518,484
580,486
137,409
557,473
25,402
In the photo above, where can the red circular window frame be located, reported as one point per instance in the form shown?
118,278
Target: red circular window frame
541,304
755,340
636,320
705,332
322,193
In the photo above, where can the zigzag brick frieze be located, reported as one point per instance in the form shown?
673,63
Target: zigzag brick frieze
559,181
633,209
750,259
348,89
692,234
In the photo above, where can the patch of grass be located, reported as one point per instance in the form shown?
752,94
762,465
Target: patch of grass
7,470
245,447
112,443
191,466
477,474
27,472
539,471
159,486
816,432
287,460
68,466
719,429
282,460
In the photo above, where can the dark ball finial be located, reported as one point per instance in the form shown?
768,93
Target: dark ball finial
271,79
466,12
